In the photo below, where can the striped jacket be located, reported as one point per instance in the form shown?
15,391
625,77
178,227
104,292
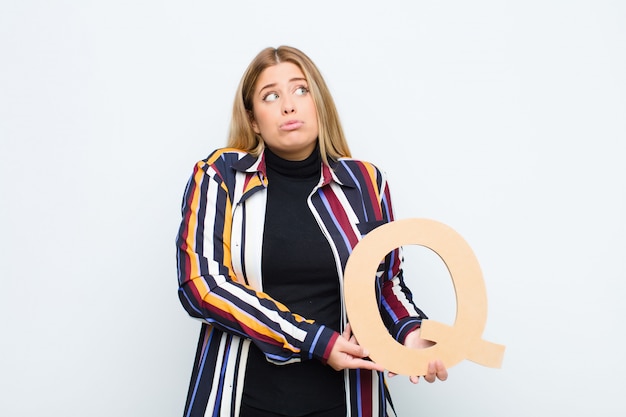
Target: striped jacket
219,274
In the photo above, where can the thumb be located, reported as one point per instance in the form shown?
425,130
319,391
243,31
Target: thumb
347,331
352,348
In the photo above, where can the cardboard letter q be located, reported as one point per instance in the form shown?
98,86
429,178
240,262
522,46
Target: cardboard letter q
462,340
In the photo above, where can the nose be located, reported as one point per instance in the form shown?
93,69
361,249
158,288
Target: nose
288,107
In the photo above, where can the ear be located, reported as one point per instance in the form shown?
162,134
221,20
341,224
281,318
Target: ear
253,123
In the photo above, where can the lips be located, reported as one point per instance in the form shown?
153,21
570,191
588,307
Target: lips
291,125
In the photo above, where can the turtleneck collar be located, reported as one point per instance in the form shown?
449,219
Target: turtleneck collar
309,167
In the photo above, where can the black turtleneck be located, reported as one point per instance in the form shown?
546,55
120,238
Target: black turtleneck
297,265
299,271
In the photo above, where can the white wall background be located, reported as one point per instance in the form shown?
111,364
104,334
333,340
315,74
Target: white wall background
504,119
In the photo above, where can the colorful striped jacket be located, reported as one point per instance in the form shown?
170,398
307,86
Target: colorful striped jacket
220,283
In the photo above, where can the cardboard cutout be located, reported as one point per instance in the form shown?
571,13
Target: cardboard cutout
462,340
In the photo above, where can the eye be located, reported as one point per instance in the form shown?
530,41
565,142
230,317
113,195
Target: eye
302,90
270,97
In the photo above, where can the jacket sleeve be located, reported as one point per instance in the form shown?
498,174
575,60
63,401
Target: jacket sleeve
397,308
209,290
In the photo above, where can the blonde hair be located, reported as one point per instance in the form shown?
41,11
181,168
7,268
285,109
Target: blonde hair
331,138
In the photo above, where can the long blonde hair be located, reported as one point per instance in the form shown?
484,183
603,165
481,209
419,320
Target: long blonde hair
331,138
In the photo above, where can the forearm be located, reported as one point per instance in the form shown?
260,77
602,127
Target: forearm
398,310
238,309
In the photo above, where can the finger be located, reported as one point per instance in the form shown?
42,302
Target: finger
432,372
413,378
347,331
442,372
363,364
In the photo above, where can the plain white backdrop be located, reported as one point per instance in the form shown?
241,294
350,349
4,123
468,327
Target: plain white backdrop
505,120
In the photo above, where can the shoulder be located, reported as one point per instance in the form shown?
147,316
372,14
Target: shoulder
359,170
354,161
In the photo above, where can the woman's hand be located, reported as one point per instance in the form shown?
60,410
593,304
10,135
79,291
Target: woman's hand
436,368
346,353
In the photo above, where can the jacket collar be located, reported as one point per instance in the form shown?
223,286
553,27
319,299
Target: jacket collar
335,171
250,163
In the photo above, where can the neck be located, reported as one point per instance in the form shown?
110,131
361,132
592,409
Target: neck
308,167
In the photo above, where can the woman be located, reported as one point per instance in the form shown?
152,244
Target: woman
268,225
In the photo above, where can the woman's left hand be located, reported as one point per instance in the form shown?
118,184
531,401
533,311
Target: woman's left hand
436,368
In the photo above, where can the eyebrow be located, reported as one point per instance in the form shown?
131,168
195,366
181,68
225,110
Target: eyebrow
291,81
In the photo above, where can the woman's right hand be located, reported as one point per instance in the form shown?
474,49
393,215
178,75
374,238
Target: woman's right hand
346,353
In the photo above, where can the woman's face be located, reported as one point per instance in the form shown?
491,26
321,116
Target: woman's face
283,112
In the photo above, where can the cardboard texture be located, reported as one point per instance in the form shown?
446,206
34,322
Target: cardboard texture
462,340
